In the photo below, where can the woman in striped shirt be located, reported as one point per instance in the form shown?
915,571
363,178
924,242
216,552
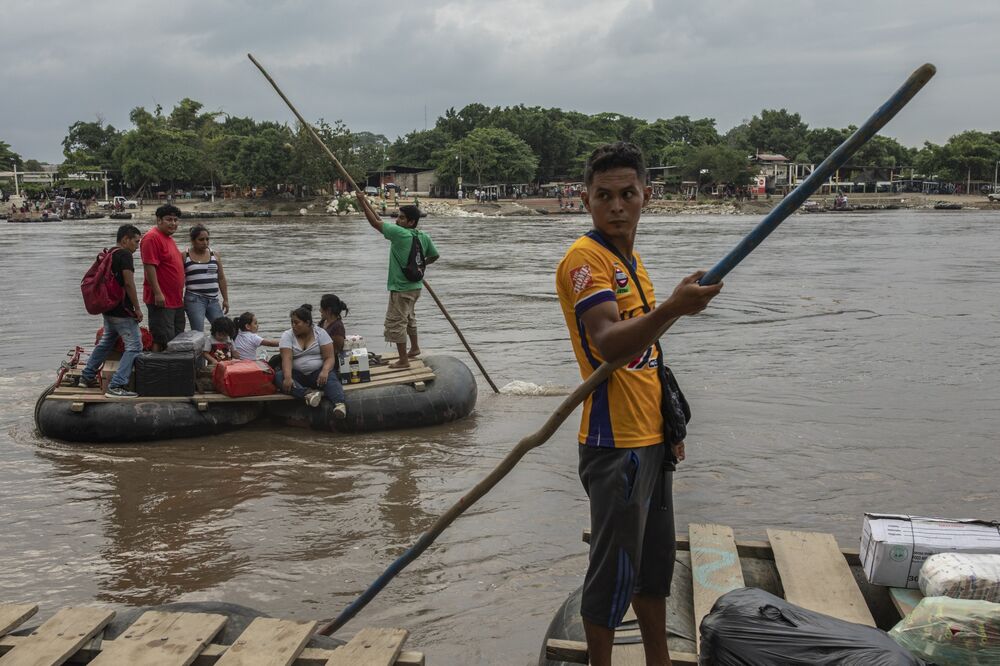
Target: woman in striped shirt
204,281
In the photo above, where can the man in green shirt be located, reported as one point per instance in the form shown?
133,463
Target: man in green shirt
400,318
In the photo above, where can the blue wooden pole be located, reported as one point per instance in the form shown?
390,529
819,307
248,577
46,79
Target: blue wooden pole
821,174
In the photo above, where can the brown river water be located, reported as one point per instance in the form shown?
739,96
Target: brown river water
850,365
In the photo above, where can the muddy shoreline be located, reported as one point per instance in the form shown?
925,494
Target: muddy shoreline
318,206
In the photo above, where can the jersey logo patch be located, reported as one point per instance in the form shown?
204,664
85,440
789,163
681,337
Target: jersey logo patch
621,281
581,278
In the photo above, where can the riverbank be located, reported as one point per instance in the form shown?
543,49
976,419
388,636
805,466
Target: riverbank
318,206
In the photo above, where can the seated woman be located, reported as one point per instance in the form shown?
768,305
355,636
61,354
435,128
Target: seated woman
331,309
247,341
307,359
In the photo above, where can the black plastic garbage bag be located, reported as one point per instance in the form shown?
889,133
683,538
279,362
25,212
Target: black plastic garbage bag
751,627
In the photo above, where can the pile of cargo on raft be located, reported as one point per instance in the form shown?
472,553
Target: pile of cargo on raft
173,403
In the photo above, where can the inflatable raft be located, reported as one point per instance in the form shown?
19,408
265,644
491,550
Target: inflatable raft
435,390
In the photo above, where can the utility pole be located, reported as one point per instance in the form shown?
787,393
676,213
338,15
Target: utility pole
17,190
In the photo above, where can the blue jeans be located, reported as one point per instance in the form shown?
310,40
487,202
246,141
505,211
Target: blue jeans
127,329
199,308
303,382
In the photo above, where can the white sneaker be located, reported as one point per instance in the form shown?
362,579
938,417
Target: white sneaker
340,411
313,398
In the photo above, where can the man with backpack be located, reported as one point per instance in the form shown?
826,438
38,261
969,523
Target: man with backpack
409,254
116,271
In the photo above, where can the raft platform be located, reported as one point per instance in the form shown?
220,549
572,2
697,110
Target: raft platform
806,568
75,635
381,375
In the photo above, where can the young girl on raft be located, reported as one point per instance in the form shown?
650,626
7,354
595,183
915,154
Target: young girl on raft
219,343
247,341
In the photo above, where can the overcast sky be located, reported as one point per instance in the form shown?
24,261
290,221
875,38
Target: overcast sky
378,65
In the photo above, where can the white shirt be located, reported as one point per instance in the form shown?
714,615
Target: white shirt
246,344
310,359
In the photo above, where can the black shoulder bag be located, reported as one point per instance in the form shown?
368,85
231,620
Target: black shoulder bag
674,406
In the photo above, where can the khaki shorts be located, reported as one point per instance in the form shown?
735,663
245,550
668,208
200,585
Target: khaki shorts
400,319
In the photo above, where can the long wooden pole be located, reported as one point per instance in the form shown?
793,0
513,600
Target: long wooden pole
364,202
571,402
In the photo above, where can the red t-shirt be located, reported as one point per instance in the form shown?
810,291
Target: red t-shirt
158,249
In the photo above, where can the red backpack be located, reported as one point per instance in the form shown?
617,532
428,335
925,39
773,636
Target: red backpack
101,291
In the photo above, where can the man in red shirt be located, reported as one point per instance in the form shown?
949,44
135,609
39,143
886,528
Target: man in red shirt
163,267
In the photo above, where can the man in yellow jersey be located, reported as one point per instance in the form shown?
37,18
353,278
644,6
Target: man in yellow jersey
611,313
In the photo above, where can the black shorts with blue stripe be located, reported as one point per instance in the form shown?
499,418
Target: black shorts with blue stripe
632,541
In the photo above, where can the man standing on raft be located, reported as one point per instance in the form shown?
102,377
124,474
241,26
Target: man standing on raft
400,317
627,447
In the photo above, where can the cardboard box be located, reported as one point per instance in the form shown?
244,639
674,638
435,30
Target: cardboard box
354,366
894,546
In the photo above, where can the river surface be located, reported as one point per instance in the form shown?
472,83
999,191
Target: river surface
851,364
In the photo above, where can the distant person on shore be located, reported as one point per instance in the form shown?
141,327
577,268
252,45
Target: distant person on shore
247,341
121,321
163,267
204,281
400,316
307,359
633,425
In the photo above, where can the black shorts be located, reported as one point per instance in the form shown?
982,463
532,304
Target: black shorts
632,541
165,323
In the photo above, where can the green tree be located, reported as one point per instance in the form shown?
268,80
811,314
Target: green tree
418,148
8,158
91,145
774,131
723,163
494,155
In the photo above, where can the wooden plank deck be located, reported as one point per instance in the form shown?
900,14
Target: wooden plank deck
815,575
269,642
381,375
715,569
75,635
813,570
59,637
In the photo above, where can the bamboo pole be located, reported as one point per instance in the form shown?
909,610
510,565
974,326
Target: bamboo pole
881,116
364,202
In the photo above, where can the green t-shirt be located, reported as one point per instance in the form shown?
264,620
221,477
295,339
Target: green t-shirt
399,254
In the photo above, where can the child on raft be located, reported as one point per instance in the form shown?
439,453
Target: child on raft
219,344
247,341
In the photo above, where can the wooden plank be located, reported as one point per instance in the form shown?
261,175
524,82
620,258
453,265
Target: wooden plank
162,639
269,642
760,550
816,576
13,615
370,647
715,569
59,637
904,599
210,654
575,652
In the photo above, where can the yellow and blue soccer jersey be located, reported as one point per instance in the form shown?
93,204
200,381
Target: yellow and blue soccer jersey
624,411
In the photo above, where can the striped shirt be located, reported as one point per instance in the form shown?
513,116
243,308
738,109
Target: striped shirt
202,278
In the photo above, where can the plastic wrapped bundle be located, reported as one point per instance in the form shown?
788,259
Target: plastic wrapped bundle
751,627
961,576
952,632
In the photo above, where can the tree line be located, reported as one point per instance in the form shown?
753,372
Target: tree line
515,144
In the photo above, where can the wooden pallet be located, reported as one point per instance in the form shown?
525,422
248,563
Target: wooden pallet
157,638
418,374
814,573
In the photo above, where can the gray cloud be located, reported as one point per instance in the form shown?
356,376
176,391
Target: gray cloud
376,65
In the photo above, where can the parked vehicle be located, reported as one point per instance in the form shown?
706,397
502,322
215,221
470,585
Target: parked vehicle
115,201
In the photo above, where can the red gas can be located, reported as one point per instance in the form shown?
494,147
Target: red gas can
239,379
